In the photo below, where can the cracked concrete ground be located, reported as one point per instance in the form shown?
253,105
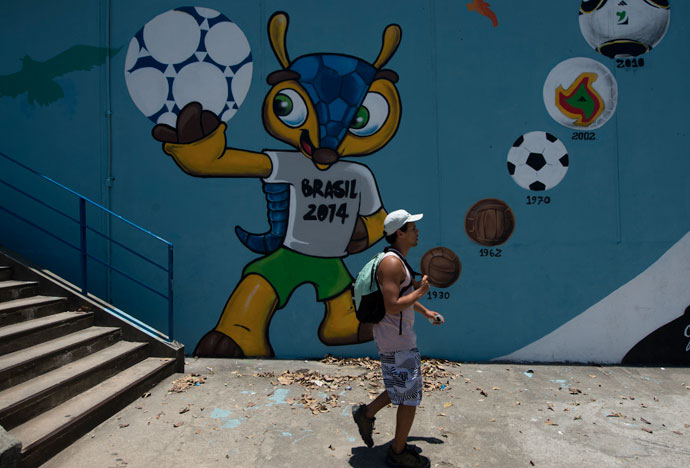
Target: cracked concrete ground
487,415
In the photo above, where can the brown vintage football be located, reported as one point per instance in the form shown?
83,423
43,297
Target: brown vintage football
489,222
442,266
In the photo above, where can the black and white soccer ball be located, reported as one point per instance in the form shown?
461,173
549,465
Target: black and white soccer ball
537,161
624,28
188,54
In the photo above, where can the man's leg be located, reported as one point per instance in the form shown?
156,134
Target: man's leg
364,416
378,404
403,424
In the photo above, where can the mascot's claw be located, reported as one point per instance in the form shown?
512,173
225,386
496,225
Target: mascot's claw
218,345
193,124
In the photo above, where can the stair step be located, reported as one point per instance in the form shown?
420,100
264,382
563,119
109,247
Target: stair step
22,402
45,435
24,334
13,289
5,272
28,308
25,364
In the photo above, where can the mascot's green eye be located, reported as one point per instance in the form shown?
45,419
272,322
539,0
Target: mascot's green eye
371,115
290,108
282,105
361,119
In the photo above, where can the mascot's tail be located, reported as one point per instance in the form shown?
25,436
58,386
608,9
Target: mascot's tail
278,200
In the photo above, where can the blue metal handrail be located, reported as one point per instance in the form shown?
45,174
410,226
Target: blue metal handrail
84,255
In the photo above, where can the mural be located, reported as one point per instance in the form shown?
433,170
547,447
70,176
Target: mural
442,265
624,28
573,257
489,222
326,107
183,56
537,161
581,94
37,78
484,9
621,327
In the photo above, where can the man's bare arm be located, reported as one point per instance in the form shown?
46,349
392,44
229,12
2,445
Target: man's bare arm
391,274
429,314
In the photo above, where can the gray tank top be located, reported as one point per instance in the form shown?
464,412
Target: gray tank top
395,332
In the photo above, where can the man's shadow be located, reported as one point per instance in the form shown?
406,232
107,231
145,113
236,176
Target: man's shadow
365,457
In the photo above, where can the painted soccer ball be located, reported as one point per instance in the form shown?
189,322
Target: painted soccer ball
537,161
580,93
624,28
184,55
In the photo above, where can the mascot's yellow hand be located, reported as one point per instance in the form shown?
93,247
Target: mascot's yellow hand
198,157
197,144
197,141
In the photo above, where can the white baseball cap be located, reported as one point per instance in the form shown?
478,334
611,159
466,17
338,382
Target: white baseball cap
397,219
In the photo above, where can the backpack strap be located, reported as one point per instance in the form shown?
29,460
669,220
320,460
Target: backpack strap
403,259
412,275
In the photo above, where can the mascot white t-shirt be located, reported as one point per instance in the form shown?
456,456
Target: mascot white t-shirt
324,205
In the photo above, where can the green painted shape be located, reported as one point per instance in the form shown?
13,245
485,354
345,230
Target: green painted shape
582,100
37,79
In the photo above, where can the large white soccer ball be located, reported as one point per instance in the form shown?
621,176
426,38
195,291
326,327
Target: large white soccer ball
580,93
188,54
537,161
624,28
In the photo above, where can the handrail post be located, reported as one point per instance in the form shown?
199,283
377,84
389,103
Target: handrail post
170,293
82,243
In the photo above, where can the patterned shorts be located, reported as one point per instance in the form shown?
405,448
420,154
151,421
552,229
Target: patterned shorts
402,376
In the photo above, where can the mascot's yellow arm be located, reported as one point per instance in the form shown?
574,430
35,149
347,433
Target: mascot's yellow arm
374,225
209,157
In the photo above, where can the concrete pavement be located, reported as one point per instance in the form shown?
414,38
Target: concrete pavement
251,413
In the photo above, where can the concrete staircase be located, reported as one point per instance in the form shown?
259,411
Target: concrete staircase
66,363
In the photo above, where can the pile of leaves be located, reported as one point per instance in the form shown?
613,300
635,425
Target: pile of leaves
365,362
312,380
436,374
184,383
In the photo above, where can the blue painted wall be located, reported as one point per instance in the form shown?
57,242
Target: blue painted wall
468,90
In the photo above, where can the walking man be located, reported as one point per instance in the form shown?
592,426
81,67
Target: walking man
397,341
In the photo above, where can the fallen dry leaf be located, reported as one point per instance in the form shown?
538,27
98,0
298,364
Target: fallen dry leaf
645,421
647,430
178,424
448,404
614,415
122,426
